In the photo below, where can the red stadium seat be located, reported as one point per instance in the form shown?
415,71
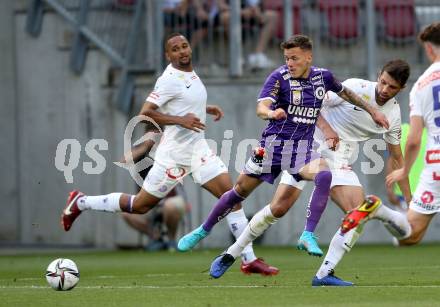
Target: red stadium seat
277,5
126,2
396,20
340,20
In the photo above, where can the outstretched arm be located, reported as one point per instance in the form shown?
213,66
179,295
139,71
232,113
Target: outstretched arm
350,96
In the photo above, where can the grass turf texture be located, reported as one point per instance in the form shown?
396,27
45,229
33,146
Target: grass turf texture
385,276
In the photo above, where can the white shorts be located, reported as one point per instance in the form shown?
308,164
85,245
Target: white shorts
339,177
426,198
163,178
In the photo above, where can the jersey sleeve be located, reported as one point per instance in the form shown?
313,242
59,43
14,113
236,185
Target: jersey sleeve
332,84
415,103
394,134
271,88
164,90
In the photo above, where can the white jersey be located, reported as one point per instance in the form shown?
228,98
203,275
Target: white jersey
353,124
424,101
178,93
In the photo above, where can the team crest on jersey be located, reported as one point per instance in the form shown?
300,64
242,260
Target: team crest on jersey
294,83
296,97
320,92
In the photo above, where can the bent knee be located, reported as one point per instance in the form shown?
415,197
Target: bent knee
280,208
323,178
241,189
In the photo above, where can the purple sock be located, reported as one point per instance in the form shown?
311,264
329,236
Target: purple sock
318,200
222,208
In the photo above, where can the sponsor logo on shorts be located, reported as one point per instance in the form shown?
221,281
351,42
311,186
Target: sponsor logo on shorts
427,197
427,207
175,172
433,156
163,188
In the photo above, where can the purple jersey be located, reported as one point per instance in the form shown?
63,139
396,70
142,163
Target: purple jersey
288,143
300,98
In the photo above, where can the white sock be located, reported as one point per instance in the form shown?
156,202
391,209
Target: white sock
258,224
339,245
237,222
107,203
394,221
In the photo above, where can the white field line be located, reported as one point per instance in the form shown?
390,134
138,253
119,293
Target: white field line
217,286
432,267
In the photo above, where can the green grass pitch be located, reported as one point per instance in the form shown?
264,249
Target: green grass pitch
384,276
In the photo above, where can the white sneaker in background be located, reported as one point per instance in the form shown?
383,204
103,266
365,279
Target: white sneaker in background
259,61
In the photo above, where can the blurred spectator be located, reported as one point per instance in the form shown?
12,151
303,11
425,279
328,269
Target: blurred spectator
253,14
187,17
160,224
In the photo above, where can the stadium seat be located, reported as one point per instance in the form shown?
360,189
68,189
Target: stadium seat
340,21
126,2
277,5
396,20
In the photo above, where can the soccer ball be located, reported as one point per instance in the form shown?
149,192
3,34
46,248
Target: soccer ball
62,274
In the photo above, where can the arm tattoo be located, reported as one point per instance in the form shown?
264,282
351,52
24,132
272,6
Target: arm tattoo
350,96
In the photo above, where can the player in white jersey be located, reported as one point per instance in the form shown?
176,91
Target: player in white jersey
424,112
177,102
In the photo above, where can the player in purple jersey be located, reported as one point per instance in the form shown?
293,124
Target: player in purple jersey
291,100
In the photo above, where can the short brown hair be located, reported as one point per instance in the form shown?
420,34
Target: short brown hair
398,70
170,36
431,34
301,41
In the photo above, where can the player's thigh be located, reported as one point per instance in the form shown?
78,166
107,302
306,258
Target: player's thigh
162,179
419,224
144,201
135,219
218,185
284,198
347,197
159,182
310,170
244,186
214,177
